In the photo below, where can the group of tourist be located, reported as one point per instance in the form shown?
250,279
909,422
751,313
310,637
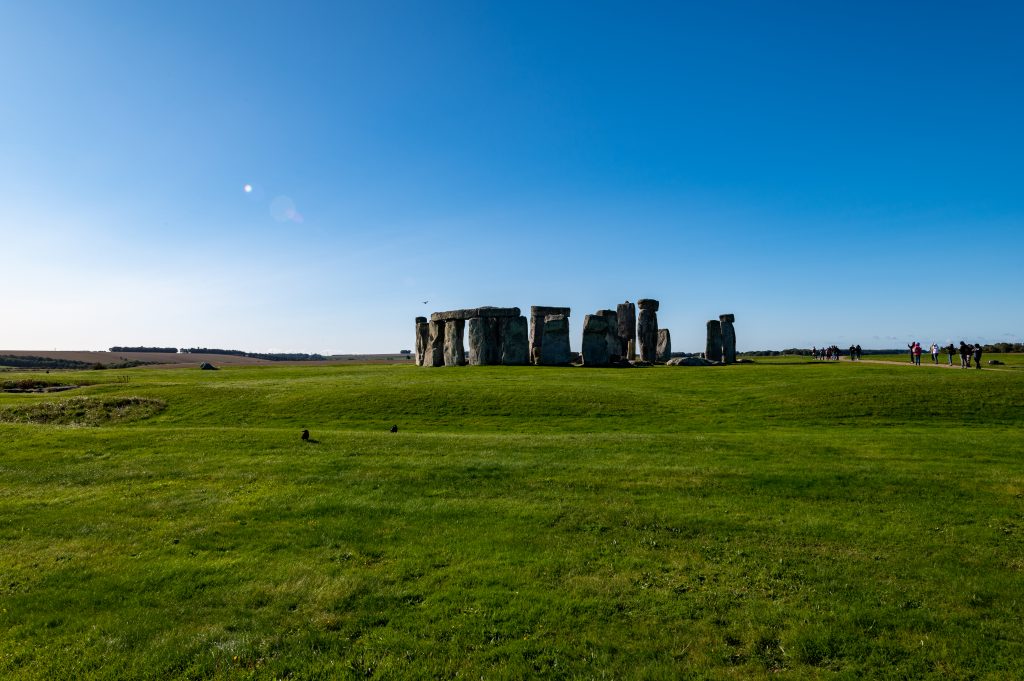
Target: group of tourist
830,353
966,352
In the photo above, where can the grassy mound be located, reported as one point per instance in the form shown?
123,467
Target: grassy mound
84,411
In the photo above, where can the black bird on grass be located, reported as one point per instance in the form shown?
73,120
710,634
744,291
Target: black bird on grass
305,435
394,429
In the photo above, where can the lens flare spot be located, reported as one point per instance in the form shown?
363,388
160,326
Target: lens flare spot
247,188
283,209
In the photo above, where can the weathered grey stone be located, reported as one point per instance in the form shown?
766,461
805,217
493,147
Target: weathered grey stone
664,345
491,311
422,338
484,344
690,362
472,312
454,351
713,349
612,334
434,355
554,348
595,340
515,343
537,315
647,330
728,339
626,313
548,310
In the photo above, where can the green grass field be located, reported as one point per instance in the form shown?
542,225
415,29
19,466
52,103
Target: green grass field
818,520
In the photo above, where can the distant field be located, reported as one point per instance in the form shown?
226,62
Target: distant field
784,519
163,359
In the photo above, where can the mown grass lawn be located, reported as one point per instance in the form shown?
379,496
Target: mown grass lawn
812,519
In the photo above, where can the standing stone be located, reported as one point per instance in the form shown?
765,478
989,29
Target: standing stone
422,338
728,338
664,345
434,356
713,349
454,351
554,349
626,313
595,340
515,342
484,347
612,334
537,315
647,329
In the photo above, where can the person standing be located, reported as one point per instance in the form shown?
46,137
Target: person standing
910,347
950,349
977,355
857,348
965,356
917,354
935,353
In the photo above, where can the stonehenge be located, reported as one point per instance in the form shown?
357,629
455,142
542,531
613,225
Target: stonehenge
713,347
422,338
484,347
728,338
664,346
595,341
454,351
481,336
612,334
626,313
497,335
434,356
554,350
537,315
515,341
721,340
647,329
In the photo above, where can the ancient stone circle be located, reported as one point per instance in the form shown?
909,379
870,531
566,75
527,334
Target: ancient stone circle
499,335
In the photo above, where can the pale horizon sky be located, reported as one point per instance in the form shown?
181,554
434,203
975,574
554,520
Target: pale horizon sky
829,173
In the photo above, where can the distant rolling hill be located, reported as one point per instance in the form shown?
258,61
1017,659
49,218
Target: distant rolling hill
185,360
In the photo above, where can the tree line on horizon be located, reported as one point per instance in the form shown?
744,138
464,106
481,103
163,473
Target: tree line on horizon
270,356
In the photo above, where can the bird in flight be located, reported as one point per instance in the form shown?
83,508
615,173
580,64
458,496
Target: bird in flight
425,302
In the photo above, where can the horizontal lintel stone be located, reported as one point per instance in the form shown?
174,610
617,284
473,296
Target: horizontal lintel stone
545,310
472,312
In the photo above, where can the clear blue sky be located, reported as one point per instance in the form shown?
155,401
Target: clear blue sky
828,172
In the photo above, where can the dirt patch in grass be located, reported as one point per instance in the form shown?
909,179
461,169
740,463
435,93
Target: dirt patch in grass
84,411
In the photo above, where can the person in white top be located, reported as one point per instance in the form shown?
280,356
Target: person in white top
935,353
